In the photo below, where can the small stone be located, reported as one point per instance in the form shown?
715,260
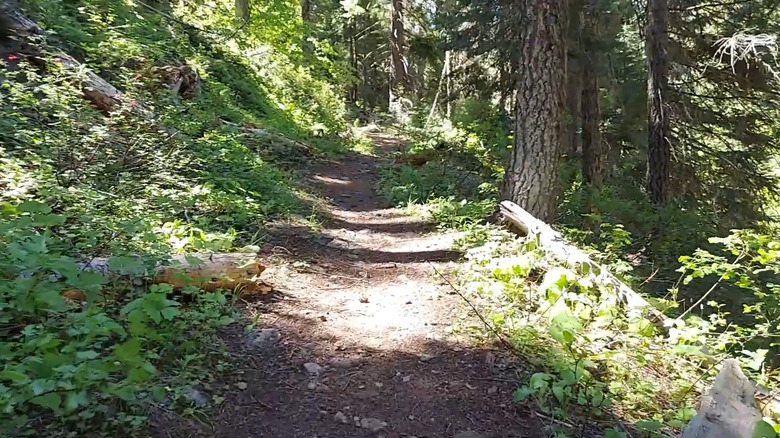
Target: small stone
364,299
323,318
492,390
312,369
341,418
312,385
379,384
372,424
406,379
196,397
264,338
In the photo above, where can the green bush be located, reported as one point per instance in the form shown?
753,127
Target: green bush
97,364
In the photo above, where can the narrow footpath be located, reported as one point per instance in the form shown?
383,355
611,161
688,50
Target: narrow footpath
364,337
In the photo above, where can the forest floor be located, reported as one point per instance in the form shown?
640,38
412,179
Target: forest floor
361,337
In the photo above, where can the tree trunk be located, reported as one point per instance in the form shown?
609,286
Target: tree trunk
659,149
448,77
592,144
532,175
574,79
398,71
242,10
306,11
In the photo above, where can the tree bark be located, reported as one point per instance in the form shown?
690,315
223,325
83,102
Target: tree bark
592,144
306,11
242,10
398,70
574,79
531,178
659,150
229,271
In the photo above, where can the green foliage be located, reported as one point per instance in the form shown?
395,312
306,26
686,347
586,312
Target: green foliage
94,365
594,357
78,184
459,179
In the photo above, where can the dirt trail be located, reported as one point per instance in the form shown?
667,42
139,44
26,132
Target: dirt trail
359,341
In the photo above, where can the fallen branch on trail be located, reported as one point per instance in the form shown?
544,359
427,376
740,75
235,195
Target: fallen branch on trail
229,271
553,242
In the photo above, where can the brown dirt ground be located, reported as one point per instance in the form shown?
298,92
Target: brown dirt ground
361,299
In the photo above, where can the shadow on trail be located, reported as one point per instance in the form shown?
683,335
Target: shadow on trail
302,243
437,391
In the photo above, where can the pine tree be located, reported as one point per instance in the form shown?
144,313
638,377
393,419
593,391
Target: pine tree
531,178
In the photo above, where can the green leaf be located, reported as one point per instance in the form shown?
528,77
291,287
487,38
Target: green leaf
34,207
87,355
563,328
13,376
75,399
522,393
51,400
128,351
169,313
764,430
39,386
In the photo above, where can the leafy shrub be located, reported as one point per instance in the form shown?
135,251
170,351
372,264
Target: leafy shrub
593,358
97,364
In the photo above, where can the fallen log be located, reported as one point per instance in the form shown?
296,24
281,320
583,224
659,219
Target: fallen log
556,245
95,89
237,272
302,147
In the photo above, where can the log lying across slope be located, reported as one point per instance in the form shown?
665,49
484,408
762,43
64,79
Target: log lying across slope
230,271
553,242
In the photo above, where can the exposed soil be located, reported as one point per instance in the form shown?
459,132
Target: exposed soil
362,300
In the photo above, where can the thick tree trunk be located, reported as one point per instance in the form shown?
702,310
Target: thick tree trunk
231,272
398,70
242,10
659,150
532,175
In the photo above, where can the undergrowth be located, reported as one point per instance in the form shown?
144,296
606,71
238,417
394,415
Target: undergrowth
78,183
595,362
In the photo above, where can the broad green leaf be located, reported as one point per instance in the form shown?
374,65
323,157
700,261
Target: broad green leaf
75,399
522,393
34,207
13,376
86,355
764,430
128,351
51,400
169,313
564,327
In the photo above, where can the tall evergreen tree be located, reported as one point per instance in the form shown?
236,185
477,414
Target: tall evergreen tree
532,175
659,150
